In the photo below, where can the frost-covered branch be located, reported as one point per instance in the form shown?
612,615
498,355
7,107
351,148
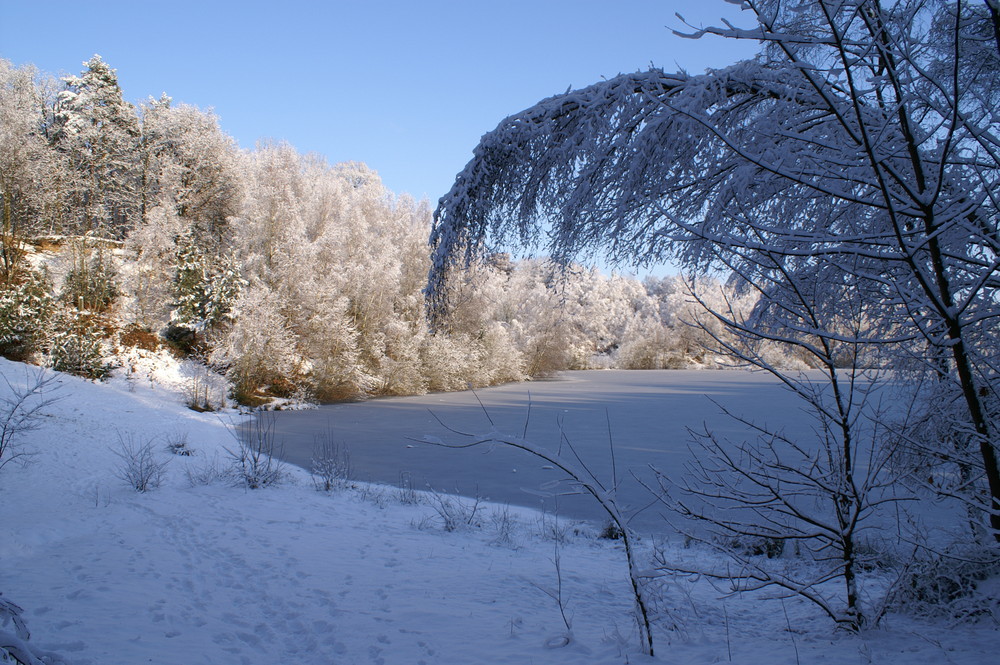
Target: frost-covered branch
859,150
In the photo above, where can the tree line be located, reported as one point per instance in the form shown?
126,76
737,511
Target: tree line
290,275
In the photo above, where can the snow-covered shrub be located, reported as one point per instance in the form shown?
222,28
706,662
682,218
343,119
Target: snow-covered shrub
139,466
770,547
25,310
206,473
177,444
406,494
259,348
330,464
76,346
454,512
400,371
960,583
497,359
445,360
553,528
648,344
203,389
253,461
337,371
505,527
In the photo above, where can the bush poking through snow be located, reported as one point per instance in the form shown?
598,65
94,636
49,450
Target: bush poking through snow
139,466
455,513
331,463
405,492
177,444
254,462
611,531
504,527
201,392
753,545
207,473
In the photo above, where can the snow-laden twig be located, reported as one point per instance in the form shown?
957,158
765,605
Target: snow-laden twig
15,645
21,409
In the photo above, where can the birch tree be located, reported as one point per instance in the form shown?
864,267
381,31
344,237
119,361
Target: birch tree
860,146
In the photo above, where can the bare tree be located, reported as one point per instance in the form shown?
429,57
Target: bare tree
861,144
775,495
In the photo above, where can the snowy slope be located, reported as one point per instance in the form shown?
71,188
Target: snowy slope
205,572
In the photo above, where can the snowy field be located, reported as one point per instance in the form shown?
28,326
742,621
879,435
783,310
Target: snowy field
200,571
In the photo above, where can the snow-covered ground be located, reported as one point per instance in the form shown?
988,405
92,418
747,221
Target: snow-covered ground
201,571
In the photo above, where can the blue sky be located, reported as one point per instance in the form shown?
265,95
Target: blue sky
406,87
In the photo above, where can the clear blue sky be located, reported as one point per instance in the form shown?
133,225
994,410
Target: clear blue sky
407,87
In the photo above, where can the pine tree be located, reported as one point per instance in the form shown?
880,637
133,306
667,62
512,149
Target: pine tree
99,133
25,310
205,290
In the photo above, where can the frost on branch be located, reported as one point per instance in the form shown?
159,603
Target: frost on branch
598,165
860,149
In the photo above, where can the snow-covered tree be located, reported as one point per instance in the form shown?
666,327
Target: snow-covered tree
148,273
92,281
26,163
98,132
76,344
26,307
859,150
189,164
259,349
205,287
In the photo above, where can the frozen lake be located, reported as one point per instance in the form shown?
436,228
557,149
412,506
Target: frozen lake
649,413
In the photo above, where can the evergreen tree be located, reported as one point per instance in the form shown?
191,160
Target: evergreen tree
99,133
205,291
